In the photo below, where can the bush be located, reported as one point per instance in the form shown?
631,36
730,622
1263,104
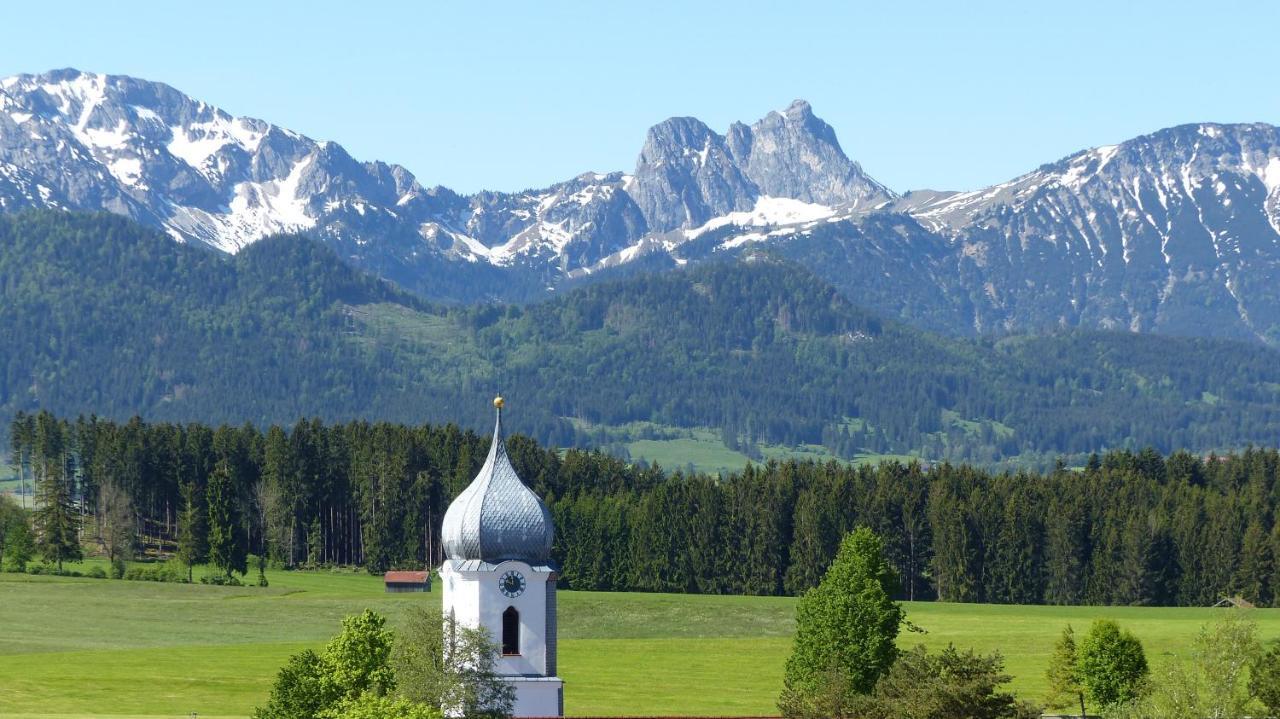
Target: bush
945,685
52,570
97,573
1264,679
220,580
166,572
118,568
370,706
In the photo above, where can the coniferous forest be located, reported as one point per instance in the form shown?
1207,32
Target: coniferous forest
1130,528
100,315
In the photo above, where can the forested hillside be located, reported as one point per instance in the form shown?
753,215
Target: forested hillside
100,316
1131,528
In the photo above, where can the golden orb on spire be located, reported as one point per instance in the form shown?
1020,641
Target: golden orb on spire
498,402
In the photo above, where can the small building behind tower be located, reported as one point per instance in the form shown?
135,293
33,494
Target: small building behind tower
397,582
498,574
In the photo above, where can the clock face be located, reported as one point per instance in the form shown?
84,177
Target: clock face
511,584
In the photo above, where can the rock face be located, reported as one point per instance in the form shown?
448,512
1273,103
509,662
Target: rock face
1177,231
685,176
688,175
794,154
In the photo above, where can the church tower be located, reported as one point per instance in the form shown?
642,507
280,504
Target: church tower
497,536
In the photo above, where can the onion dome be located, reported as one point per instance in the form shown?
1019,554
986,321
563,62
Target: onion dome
497,517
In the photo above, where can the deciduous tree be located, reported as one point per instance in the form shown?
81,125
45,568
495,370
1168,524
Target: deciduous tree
439,662
1113,665
1264,678
846,627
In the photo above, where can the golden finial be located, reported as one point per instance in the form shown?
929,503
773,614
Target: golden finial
498,402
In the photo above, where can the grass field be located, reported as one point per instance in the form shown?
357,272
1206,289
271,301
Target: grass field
704,448
95,648
9,482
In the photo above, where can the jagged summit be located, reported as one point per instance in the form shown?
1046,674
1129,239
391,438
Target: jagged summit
80,140
1177,230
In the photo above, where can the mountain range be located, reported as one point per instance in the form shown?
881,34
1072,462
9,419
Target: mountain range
1175,232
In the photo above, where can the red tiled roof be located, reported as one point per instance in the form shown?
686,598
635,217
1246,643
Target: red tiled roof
405,578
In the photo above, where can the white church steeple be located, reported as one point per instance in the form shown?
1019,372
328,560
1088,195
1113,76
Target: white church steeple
497,535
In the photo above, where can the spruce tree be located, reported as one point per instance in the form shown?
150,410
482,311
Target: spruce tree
193,528
227,542
1253,576
56,519
846,627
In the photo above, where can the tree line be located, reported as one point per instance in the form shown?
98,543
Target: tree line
1130,528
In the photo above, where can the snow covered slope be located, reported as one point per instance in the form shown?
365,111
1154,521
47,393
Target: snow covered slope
1176,231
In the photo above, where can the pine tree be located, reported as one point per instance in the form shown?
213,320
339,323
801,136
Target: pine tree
813,540
1274,542
1066,550
1254,575
954,546
56,519
193,528
227,542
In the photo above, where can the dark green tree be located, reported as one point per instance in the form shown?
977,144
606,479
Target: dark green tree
57,522
950,684
193,528
1066,552
1257,566
228,549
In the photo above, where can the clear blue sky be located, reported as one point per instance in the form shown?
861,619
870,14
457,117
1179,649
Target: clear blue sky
504,96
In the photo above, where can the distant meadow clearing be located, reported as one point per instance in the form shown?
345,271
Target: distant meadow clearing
105,648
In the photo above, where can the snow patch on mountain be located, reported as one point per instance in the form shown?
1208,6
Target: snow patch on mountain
766,212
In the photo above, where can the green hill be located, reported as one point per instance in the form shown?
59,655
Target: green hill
755,356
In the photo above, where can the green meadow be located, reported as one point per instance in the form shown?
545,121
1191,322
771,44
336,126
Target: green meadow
96,648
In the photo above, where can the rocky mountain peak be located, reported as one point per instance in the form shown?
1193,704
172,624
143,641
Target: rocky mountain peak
795,154
688,174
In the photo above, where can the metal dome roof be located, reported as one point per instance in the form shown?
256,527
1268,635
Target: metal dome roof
497,517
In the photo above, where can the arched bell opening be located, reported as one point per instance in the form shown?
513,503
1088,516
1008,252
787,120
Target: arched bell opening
510,632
